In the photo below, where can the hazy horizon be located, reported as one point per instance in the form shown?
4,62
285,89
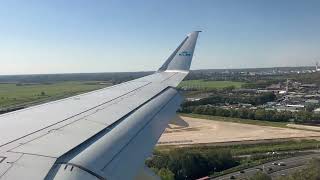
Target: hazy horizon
156,69
54,37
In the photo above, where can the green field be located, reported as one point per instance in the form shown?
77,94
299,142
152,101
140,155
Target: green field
237,120
204,84
245,149
24,94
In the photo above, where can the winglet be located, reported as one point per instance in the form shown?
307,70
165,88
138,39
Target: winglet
180,59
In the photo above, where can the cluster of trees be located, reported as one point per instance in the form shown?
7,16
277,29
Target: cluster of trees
213,76
306,78
164,173
261,83
2,111
190,163
233,99
259,114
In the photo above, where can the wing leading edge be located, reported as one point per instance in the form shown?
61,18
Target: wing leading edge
104,134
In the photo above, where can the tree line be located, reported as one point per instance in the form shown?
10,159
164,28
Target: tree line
190,163
258,114
233,99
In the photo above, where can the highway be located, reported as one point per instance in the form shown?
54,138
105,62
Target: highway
288,166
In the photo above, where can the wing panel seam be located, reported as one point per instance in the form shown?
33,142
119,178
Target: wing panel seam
73,115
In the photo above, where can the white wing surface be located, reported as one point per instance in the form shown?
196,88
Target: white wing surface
104,134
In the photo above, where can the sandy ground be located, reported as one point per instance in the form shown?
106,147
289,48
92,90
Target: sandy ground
186,130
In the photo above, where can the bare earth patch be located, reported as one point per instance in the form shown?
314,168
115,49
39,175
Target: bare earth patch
186,130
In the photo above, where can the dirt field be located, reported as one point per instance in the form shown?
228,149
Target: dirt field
186,130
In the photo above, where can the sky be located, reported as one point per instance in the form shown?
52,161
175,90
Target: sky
80,36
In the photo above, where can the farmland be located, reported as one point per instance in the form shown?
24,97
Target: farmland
18,94
24,94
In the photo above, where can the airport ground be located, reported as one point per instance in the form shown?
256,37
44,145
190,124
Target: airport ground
259,147
187,130
244,137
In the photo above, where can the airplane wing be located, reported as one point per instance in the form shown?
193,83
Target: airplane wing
103,134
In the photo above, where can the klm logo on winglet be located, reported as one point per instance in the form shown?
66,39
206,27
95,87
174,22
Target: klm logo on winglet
185,53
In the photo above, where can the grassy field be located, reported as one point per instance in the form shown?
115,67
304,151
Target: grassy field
245,149
238,120
203,84
20,94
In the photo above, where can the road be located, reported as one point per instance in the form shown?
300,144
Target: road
290,165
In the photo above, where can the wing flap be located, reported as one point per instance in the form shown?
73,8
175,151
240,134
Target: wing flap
136,133
60,141
29,167
143,142
31,120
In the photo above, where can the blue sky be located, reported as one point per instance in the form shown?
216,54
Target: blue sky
59,36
